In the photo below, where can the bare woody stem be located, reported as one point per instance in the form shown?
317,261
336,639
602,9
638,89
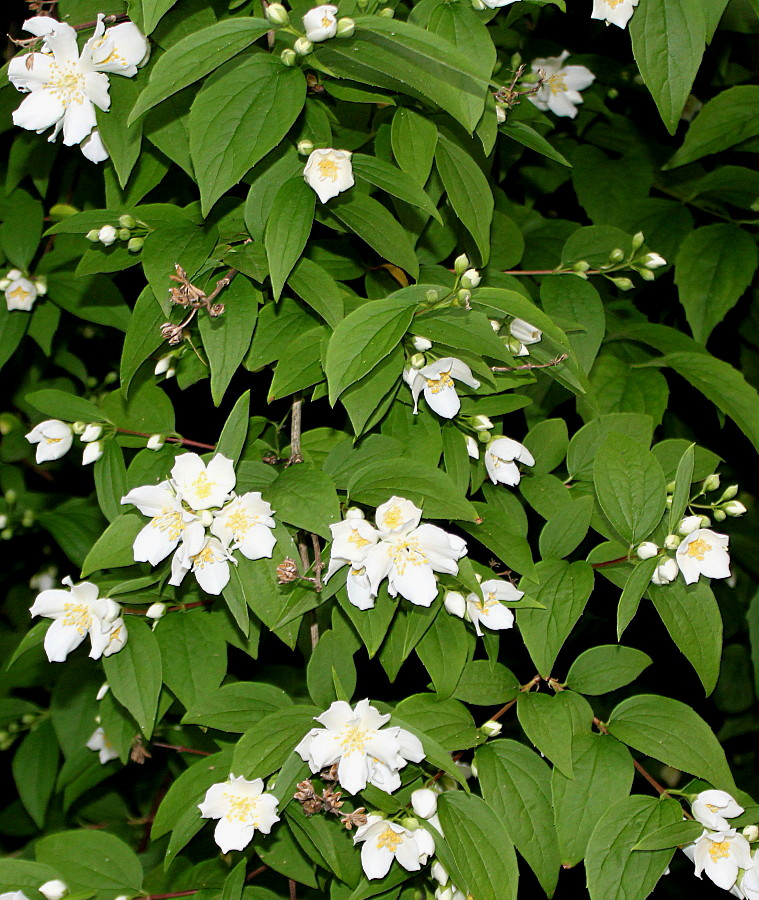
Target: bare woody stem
547,365
296,425
185,442
180,749
551,272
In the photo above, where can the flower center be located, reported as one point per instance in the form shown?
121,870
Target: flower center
441,383
698,549
354,738
18,293
170,520
389,839
719,850
77,615
66,82
203,486
357,540
393,518
239,522
204,558
326,21
613,3
240,808
406,553
328,168
101,46
711,807
115,635
52,440
557,83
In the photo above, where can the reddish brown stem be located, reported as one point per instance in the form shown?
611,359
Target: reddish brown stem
171,440
256,872
610,562
142,612
548,272
169,896
180,749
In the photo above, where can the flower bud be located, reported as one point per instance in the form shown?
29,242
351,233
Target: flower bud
345,27
672,541
386,13
729,492
455,603
616,255
107,235
689,524
171,372
163,364
79,427
653,261
13,274
124,234
40,283
464,296
484,437
424,802
666,572
711,483
500,114
305,147
206,517
421,343
303,46
6,534
418,360
646,550
491,728
638,240
353,512
470,278
27,519
480,423
478,5
92,452
93,235
5,283
28,718
54,890
734,508
277,14
103,690
10,496
439,873
495,325
719,515
135,244
156,611
288,57
461,264
3,521
471,447
581,266
624,284
127,221
751,833
155,442
646,274
91,433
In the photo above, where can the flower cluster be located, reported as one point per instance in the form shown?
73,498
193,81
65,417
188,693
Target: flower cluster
54,439
560,86
20,291
128,230
65,86
399,548
76,613
487,610
197,514
698,551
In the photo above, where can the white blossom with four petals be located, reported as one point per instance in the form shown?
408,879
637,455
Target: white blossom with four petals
53,439
242,808
435,381
713,808
721,854
20,293
76,613
614,12
351,541
365,752
320,23
169,522
104,748
385,841
203,486
329,172
501,457
560,92
703,552
246,524
490,611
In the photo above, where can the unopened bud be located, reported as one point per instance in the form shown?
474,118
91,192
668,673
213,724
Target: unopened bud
421,343
612,93
581,266
734,508
432,296
27,519
461,264
464,296
646,550
638,240
155,442
303,46
103,690
491,728
93,235
10,496
478,5
163,365
616,255
3,521
124,234
91,433
729,492
354,513
206,518
156,611
54,890
288,56
127,221
480,423
500,114
711,483
135,244
79,427
672,541
455,603
386,13
751,833
409,823
653,261
471,447
690,524
107,235
424,802
671,487
418,360
470,278
665,573
40,282
305,147
345,28
719,515
495,325
624,284
277,14
646,274
92,452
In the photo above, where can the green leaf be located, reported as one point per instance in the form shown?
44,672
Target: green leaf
232,124
566,529
564,589
331,663
486,684
143,336
673,835
668,42
299,363
683,481
367,399
235,882
305,497
374,224
114,546
193,655
548,442
195,56
35,767
110,480
318,289
635,586
673,733
394,182
152,11
630,485
613,871
600,670
528,137
480,844
413,139
233,707
603,774
287,230
233,435
190,787
443,651
366,336
122,141
407,629
18,874
713,268
135,675
63,405
226,338
730,118
404,58
548,723
267,745
91,860
499,532
692,617
468,191
586,442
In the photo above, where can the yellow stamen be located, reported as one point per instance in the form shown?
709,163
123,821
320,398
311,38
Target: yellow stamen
393,518
66,83
407,553
357,540
203,486
326,22
719,850
77,615
354,738
328,168
169,520
698,549
557,84
389,839
241,808
239,522
18,294
441,383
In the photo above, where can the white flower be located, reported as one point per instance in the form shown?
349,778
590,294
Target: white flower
351,540
169,523
703,552
472,278
689,524
750,882
107,235
156,611
500,113
654,261
54,890
560,91
424,802
92,452
78,612
455,604
472,447
436,382
246,523
497,4
421,343
489,611
408,554
164,364
52,437
155,442
501,457
449,892
712,809
329,172
241,808
210,565
93,148
201,486
364,751
119,50
720,854
91,433
646,550
320,23
20,294
13,895
525,334
665,572
103,746
614,12
385,841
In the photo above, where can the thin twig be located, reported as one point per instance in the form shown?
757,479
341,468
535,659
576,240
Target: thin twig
293,889
318,564
296,424
548,365
550,272
180,749
185,442
610,562
179,608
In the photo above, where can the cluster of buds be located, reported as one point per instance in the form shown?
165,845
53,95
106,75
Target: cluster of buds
22,289
329,801
54,439
319,24
14,729
643,263
166,365
128,230
90,433
725,505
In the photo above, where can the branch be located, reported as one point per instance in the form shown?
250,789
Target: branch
296,424
547,365
179,748
185,442
610,562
